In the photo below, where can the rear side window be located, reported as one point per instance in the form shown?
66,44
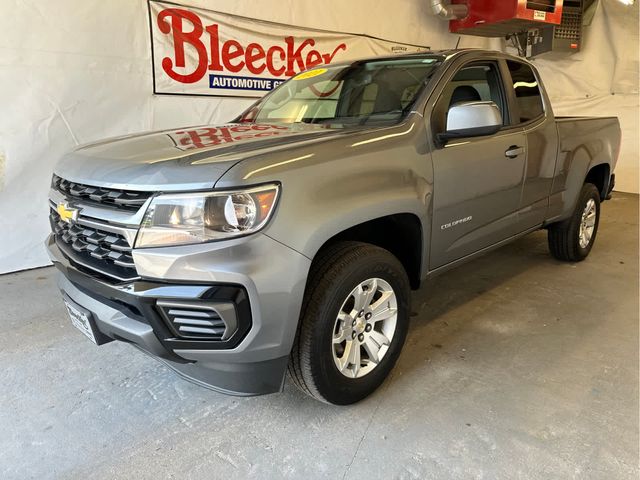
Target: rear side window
527,92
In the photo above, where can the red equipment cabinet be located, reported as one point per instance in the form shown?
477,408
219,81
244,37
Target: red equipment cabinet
499,18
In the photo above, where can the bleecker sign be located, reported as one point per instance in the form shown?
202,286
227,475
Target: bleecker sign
197,51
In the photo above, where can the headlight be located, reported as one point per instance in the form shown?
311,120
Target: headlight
185,218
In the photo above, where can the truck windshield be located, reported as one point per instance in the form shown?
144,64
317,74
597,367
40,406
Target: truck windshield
376,91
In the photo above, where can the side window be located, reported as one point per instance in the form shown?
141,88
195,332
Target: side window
476,82
527,92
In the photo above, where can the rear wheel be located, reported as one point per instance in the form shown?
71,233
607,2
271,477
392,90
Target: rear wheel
572,239
353,325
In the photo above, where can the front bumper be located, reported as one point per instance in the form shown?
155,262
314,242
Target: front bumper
262,278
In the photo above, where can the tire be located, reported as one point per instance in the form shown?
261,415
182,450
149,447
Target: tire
338,272
565,242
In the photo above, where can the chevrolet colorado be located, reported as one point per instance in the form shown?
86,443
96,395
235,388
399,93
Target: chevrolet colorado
289,239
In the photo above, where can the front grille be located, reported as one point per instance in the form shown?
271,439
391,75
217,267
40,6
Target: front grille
121,199
104,252
193,321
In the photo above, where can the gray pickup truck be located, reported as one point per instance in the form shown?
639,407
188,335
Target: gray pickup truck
290,239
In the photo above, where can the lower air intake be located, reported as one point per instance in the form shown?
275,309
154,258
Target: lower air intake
199,321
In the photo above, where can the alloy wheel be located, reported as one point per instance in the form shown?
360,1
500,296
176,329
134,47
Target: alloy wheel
587,224
364,328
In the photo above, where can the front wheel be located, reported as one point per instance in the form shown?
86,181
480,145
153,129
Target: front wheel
354,322
572,239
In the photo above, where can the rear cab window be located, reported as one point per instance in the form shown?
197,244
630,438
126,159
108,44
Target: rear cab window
528,98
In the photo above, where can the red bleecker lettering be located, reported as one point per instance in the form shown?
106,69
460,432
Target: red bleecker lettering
266,134
296,55
276,72
187,30
230,51
327,57
208,137
180,37
205,137
313,58
214,43
255,53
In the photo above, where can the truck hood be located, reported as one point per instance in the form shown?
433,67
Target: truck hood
185,159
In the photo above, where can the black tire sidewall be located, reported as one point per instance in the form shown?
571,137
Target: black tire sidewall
333,385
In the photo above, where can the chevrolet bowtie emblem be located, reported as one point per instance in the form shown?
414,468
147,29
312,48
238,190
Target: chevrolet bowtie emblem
67,213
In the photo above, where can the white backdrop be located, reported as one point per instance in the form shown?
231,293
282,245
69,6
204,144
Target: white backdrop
73,72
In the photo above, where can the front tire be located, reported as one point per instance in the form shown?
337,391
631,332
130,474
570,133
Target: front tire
354,321
572,239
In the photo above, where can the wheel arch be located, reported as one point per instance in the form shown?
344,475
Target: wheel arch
600,175
585,167
401,234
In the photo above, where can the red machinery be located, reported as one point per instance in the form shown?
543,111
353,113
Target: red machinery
500,18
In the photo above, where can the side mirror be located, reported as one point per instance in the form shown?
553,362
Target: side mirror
472,119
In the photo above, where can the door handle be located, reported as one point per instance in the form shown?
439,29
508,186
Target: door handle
513,151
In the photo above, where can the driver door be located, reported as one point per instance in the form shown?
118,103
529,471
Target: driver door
477,180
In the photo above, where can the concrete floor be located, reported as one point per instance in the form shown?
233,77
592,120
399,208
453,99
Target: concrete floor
516,366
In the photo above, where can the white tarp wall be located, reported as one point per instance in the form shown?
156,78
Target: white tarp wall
72,72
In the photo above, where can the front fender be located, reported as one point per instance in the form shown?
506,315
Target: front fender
332,187
335,205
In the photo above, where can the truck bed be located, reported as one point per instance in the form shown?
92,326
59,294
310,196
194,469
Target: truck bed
599,136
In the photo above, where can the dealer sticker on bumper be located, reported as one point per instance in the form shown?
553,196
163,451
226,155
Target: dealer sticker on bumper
80,320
